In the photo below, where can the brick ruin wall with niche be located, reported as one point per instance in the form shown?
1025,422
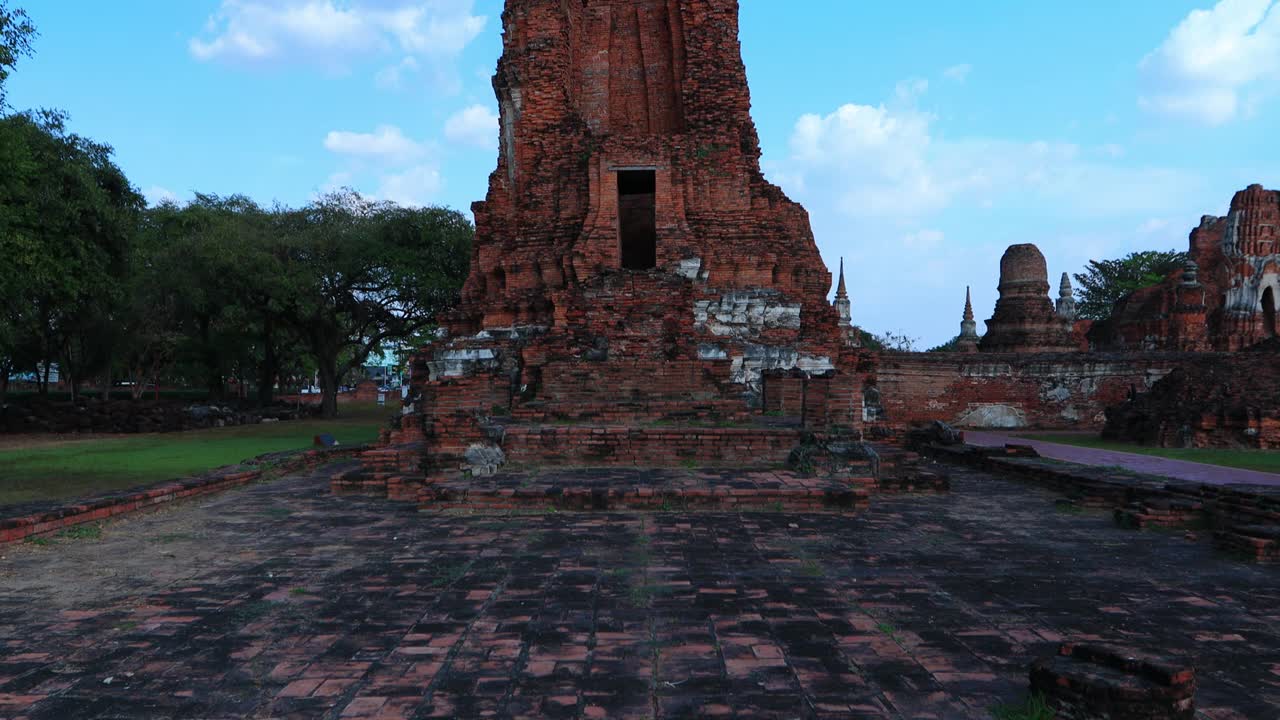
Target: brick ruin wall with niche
1057,391
587,91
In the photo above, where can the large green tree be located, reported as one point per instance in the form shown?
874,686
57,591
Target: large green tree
16,34
358,274
1106,281
201,285
67,217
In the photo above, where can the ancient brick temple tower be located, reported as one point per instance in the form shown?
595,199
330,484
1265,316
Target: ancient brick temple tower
627,143
632,268
1224,299
1025,320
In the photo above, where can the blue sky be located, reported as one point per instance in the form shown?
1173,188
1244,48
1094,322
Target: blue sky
922,138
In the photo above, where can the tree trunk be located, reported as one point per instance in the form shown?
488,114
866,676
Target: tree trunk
42,378
139,386
214,379
106,385
5,369
328,370
270,364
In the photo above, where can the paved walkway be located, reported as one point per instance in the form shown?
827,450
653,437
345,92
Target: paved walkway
1180,469
281,600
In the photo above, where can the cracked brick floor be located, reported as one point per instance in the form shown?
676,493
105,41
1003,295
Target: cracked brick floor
281,600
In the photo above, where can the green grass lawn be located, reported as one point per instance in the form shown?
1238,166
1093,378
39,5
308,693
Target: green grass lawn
1260,460
87,467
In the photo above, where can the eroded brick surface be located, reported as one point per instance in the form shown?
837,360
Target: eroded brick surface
1227,401
318,606
1226,301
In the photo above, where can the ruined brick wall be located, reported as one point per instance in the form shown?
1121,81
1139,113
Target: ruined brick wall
1227,401
1012,390
1225,302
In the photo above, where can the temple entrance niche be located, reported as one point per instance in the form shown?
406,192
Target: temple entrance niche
1269,313
638,219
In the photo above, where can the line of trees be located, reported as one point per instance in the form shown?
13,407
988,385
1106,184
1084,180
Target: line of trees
94,281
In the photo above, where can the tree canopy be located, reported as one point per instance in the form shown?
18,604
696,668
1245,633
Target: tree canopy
67,216
16,34
218,290
1106,281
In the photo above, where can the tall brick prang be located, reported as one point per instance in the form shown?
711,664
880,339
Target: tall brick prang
631,264
627,143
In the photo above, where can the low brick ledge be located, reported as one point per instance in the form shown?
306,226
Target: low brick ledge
1245,519
847,499
1100,682
647,490
22,522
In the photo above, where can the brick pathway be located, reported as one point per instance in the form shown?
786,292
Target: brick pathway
1181,469
282,600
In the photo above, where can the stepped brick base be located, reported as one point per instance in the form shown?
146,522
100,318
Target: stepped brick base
1091,682
654,446
900,473
600,489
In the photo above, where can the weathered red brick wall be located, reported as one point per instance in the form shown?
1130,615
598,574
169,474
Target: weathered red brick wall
1053,391
1227,401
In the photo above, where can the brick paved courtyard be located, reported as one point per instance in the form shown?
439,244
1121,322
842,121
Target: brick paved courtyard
280,600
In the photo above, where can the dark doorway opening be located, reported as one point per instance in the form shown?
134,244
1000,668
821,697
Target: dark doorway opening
1268,313
638,219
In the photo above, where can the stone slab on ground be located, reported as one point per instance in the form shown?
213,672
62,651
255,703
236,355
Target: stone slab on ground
281,600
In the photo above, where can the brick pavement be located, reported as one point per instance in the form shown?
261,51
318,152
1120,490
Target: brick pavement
298,604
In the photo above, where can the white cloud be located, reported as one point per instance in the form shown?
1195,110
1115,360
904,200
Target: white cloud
335,35
923,240
958,73
392,77
387,143
1216,64
417,186
1152,225
887,161
879,154
919,213
156,195
476,125
399,168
